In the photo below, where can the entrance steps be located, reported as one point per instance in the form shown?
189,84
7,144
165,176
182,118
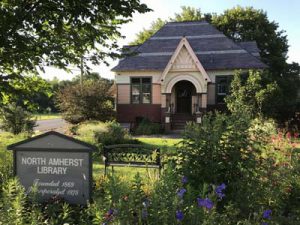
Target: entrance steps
179,120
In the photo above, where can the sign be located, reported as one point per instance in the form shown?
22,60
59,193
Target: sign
56,165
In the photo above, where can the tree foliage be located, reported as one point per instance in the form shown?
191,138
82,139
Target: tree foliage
143,35
249,24
187,14
87,101
15,119
249,94
30,92
58,33
287,101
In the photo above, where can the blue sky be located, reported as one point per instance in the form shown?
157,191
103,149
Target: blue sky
285,12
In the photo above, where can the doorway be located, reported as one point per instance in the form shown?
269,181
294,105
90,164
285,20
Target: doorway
184,92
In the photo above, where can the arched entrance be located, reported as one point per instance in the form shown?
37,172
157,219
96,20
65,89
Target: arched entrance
185,99
183,92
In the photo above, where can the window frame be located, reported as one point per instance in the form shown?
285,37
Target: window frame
228,81
141,90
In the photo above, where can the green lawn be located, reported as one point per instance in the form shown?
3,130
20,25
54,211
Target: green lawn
5,140
47,116
126,173
167,145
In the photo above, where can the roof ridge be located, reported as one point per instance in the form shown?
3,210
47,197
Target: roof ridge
189,21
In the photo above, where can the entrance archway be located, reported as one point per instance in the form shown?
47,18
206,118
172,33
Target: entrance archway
183,92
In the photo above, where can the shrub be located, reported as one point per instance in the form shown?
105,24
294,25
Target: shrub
146,127
242,153
216,150
91,101
251,95
114,134
12,203
15,119
86,131
6,158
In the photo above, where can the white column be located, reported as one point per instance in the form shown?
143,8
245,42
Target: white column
204,100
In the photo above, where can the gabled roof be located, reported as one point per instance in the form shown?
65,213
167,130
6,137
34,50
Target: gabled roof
250,46
213,49
52,141
184,43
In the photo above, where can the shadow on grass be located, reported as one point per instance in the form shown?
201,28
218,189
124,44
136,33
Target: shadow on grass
126,173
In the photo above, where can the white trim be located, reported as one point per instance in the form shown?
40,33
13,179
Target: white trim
186,24
198,85
184,42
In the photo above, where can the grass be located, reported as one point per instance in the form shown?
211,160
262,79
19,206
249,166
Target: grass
49,116
5,140
166,145
126,173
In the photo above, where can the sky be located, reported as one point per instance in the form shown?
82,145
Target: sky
285,12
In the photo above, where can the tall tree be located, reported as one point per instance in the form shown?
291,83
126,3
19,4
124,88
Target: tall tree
249,24
186,14
143,35
58,32
31,92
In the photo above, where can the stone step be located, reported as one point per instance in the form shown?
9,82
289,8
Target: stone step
182,118
182,121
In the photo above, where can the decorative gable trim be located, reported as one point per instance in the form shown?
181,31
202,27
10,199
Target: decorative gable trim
184,43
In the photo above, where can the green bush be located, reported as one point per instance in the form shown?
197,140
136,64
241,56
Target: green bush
6,158
89,101
113,134
244,154
217,150
16,120
85,131
146,127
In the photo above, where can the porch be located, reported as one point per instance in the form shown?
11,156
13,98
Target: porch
184,104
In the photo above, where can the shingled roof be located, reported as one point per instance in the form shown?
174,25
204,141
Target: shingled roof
214,50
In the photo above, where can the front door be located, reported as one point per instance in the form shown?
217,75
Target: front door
183,97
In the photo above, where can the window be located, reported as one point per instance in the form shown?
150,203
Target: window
141,90
222,87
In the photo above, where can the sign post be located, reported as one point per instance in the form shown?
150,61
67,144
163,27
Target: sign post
57,165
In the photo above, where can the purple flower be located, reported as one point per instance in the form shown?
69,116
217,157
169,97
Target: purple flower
179,215
264,223
181,192
184,180
207,203
267,214
219,191
110,212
